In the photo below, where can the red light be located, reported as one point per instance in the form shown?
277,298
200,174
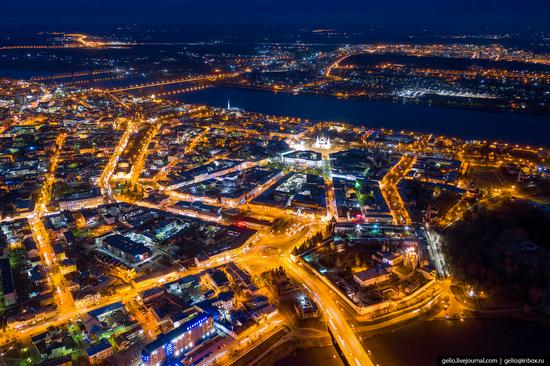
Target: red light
241,224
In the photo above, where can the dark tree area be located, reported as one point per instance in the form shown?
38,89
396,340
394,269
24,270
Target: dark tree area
308,243
503,250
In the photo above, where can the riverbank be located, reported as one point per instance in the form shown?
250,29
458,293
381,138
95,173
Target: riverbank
434,101
467,124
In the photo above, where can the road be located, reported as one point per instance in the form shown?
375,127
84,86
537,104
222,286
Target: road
140,159
44,196
191,146
62,294
434,248
213,77
332,211
257,261
104,179
344,335
388,187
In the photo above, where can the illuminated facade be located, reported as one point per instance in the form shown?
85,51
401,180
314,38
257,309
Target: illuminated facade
180,340
322,142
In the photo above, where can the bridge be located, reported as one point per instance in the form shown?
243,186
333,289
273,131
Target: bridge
213,77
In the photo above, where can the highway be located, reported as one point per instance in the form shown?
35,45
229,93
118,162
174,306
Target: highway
213,77
75,74
334,65
182,91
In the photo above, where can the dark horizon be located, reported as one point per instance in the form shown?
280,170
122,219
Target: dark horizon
285,12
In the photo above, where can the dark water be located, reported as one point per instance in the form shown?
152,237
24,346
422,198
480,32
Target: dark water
503,126
322,356
421,343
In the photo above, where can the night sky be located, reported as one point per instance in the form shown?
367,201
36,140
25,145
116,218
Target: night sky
387,12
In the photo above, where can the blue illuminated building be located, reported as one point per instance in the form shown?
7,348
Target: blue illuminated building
178,341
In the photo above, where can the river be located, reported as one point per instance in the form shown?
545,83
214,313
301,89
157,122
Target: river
469,124
421,343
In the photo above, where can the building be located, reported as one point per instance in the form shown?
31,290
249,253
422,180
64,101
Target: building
103,312
218,278
86,297
241,278
67,266
79,200
303,158
166,228
225,300
59,252
126,339
53,343
372,276
31,248
125,248
305,308
181,339
99,352
265,312
388,258
152,294
178,286
322,142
